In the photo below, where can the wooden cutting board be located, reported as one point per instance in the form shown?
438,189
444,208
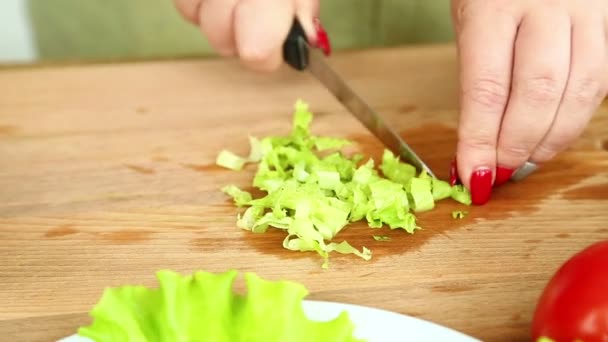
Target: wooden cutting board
107,175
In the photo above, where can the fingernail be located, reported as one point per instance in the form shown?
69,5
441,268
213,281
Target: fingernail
322,41
454,179
503,175
481,186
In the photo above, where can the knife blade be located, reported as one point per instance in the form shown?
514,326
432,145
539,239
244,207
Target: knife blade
301,56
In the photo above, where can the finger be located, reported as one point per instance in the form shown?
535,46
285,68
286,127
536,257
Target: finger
306,11
261,27
189,9
485,48
216,21
584,90
540,72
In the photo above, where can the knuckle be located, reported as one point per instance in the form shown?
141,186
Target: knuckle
546,151
561,138
478,140
563,134
585,90
514,152
543,89
488,93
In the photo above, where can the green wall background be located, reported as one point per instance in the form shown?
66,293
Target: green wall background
119,29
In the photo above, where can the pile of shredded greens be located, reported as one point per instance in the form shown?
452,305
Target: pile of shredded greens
313,190
203,307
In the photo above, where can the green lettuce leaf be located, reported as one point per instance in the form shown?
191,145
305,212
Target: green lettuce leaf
203,307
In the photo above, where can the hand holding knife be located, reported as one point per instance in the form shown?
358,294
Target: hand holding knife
298,53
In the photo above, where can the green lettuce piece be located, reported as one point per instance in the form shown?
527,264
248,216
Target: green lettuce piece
302,118
390,205
313,190
257,150
360,203
441,189
203,307
345,248
395,170
239,196
461,194
422,197
230,160
381,238
250,218
267,179
329,143
365,173
328,179
341,164
459,214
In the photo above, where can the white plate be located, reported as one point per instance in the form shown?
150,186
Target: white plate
374,325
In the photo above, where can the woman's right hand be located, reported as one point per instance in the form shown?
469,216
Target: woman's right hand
252,30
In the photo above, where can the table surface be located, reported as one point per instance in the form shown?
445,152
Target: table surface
107,175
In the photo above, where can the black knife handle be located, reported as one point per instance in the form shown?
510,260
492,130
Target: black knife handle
294,53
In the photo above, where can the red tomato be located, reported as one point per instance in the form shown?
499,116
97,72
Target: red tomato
574,304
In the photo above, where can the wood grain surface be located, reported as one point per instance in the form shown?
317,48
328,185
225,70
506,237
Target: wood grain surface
107,176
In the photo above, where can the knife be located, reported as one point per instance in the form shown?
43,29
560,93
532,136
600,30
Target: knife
299,55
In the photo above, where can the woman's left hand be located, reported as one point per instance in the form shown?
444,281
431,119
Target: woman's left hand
533,72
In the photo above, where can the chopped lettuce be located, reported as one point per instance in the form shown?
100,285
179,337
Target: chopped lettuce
326,143
381,238
239,196
203,307
395,170
314,190
389,205
461,194
422,196
459,214
230,160
441,189
256,150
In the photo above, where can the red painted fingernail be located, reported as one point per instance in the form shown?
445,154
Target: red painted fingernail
322,38
481,186
454,179
503,175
